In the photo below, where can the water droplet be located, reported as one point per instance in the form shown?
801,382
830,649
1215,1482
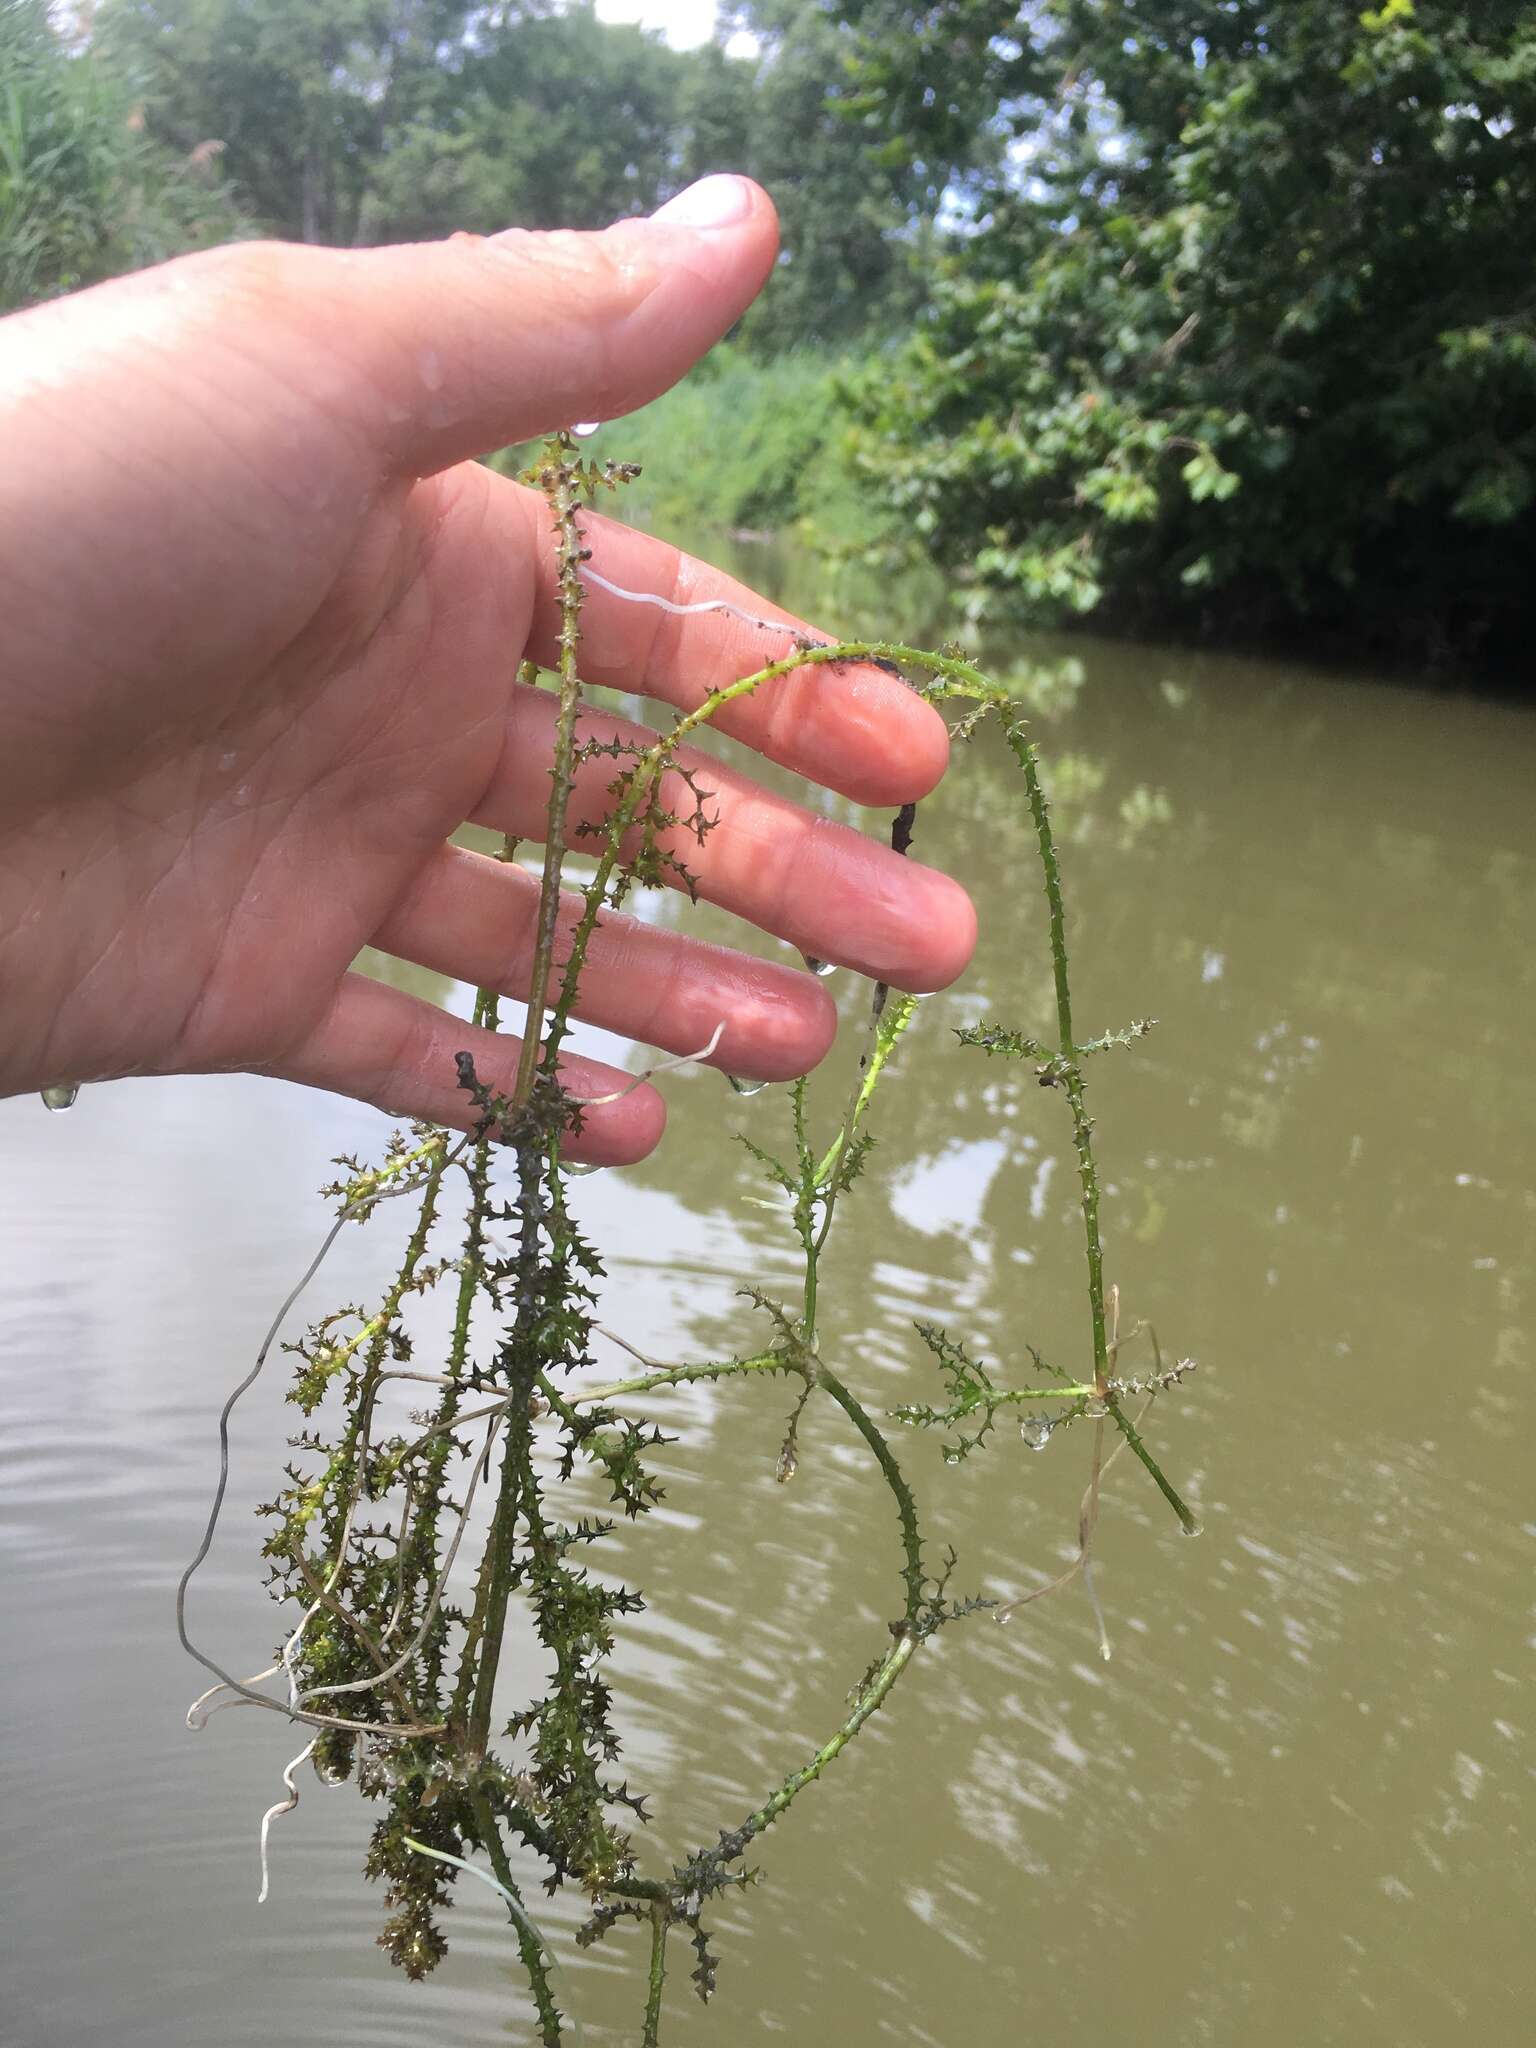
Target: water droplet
820,968
61,1095
586,429
1193,1529
746,1087
1036,1431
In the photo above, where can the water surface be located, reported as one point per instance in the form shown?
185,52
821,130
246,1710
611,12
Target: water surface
1298,1805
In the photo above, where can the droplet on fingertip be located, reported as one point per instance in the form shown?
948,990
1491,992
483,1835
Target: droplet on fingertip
586,429
820,968
61,1095
746,1087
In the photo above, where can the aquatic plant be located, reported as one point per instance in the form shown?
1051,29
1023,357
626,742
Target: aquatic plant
391,1671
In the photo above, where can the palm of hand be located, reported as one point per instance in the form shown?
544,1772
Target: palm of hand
275,668
251,850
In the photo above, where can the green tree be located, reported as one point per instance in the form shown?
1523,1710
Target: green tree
933,87
538,120
1246,338
853,227
377,120
298,94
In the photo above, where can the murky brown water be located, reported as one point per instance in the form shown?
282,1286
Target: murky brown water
1297,1806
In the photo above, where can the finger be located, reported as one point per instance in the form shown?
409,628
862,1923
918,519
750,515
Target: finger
472,343
822,886
851,726
391,1049
474,918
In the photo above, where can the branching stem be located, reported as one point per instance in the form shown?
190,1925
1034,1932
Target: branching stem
369,1530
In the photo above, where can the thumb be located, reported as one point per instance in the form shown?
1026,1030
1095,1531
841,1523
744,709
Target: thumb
472,343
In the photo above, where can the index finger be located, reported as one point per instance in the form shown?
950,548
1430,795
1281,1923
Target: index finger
662,630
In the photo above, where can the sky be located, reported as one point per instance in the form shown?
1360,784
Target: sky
684,22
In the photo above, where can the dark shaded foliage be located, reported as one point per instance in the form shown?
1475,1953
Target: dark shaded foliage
1247,340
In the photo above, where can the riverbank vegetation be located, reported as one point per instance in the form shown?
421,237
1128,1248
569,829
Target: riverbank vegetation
1191,315
785,467
85,191
1239,336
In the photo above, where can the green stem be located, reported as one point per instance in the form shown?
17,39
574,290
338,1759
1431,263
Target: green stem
529,1945
562,499
668,1376
492,1595
888,1029
346,1459
998,1397
1082,1124
660,1918
1072,1074
1132,1435
818,1182
906,1507
471,1276
868,1698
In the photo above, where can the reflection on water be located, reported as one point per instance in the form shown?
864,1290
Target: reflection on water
1297,1805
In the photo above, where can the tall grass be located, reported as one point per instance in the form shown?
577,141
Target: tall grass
779,469
775,432
84,193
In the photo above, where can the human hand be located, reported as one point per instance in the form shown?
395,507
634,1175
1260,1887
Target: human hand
262,620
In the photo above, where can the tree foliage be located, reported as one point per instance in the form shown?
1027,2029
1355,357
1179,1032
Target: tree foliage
540,120
855,222
299,96
346,121
1244,331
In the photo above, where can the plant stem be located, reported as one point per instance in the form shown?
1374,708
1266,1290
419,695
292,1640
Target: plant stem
561,492
906,1507
1072,1073
888,1028
1132,1435
492,1593
867,1699
1082,1124
471,1277
677,1376
528,1946
651,2036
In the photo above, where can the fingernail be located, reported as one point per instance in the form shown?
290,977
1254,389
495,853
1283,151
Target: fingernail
722,201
